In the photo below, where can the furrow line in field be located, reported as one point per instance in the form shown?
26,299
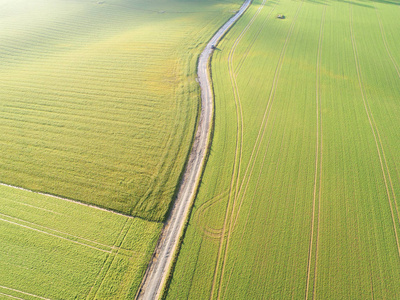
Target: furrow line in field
24,293
270,100
239,142
54,230
36,207
241,197
383,34
318,165
377,139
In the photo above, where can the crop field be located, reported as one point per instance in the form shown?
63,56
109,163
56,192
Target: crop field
300,195
99,98
55,249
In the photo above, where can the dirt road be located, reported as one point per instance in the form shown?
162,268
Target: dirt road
157,271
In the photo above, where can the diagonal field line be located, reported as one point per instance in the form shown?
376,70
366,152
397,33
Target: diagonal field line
54,235
9,296
113,258
61,232
25,293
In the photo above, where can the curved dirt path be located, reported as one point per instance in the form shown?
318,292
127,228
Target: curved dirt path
158,269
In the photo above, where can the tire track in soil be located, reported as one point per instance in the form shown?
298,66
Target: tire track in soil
251,157
263,130
244,57
24,293
60,232
318,169
383,34
105,261
239,141
376,135
251,204
54,235
114,256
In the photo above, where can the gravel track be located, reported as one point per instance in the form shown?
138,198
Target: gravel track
159,267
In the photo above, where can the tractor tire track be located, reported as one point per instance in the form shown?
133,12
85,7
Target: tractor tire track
383,34
377,139
263,130
318,168
239,143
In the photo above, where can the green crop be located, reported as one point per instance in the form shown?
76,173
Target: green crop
300,196
58,249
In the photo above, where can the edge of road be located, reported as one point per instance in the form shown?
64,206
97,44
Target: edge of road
164,256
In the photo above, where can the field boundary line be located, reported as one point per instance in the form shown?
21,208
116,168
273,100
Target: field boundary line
54,235
25,293
238,144
375,132
66,199
318,166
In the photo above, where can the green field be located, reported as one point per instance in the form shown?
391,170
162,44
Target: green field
300,195
99,98
58,249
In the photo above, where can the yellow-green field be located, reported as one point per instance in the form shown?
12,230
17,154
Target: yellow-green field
98,103
300,196
56,249
99,98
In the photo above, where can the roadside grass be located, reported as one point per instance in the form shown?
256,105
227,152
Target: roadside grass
57,249
99,99
300,195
